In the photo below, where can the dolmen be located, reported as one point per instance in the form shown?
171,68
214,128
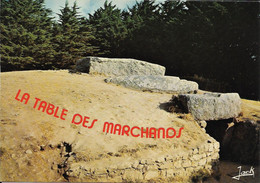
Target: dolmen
145,76
135,74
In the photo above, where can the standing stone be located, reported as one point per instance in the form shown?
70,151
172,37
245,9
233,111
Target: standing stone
118,66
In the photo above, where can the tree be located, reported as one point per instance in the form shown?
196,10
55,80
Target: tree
144,31
71,37
239,45
25,35
216,41
109,29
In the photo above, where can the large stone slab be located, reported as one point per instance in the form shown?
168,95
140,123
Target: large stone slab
212,106
168,84
118,66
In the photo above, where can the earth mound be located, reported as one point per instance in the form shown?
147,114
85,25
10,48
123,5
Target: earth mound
39,145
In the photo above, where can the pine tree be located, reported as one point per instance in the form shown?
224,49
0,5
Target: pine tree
238,43
25,35
187,31
71,37
144,31
109,29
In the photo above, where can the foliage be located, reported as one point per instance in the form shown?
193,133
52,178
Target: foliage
25,35
214,40
144,31
71,37
108,28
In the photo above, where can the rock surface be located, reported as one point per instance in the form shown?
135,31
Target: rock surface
168,84
118,66
202,123
212,106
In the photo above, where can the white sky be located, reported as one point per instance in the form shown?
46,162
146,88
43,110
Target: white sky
88,6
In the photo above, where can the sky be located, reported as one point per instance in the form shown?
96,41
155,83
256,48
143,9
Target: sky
88,6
